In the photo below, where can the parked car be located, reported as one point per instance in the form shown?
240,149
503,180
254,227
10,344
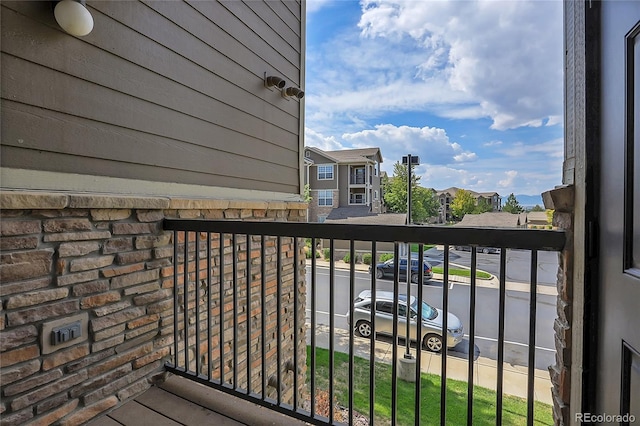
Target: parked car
387,269
479,249
431,332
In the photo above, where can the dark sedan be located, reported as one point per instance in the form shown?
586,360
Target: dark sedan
387,269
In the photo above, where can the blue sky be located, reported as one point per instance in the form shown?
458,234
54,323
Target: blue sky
474,88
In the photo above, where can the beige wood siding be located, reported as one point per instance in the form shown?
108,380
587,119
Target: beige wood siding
164,91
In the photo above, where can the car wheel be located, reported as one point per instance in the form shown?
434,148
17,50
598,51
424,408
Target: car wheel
485,250
379,273
432,342
414,278
363,328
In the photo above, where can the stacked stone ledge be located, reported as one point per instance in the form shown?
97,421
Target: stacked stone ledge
561,200
105,259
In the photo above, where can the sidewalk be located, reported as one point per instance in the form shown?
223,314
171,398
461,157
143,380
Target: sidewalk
493,282
485,370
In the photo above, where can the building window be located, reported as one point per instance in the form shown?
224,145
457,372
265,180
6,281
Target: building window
325,172
375,195
325,198
375,170
321,219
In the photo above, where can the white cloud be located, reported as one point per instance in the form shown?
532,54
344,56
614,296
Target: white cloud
318,140
492,143
431,144
480,178
465,157
508,180
549,149
455,59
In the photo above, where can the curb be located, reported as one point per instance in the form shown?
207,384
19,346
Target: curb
492,282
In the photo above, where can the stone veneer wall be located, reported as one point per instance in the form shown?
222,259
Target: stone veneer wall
105,261
315,210
562,201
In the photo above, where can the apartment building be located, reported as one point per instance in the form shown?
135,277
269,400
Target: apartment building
446,197
347,179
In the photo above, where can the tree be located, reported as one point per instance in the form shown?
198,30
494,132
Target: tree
463,203
423,202
307,193
549,216
537,208
512,205
483,206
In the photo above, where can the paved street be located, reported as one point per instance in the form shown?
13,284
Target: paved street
487,297
518,264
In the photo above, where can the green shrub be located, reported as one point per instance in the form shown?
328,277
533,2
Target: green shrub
346,258
325,253
386,256
366,258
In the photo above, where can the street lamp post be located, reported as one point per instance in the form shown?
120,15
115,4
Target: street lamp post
409,160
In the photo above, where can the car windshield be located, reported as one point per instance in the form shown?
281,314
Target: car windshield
428,312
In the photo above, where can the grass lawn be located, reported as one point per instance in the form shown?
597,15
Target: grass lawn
461,272
415,247
484,400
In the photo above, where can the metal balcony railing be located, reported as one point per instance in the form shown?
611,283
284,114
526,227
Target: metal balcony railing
239,322
357,180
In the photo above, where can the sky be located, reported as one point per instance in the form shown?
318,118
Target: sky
474,88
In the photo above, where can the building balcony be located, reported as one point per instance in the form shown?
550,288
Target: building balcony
256,321
357,180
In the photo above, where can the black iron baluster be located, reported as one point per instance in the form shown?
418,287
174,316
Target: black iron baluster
222,305
313,328
417,409
234,314
197,302
279,319
176,327
445,328
532,336
248,312
295,323
209,308
332,271
185,276
263,313
472,332
394,371
501,306
372,354
352,280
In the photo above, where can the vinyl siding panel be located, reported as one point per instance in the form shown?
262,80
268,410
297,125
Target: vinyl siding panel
159,91
344,185
315,183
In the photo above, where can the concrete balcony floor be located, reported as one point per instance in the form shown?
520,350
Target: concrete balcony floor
179,401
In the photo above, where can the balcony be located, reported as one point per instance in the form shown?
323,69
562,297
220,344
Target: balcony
356,199
253,319
357,179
